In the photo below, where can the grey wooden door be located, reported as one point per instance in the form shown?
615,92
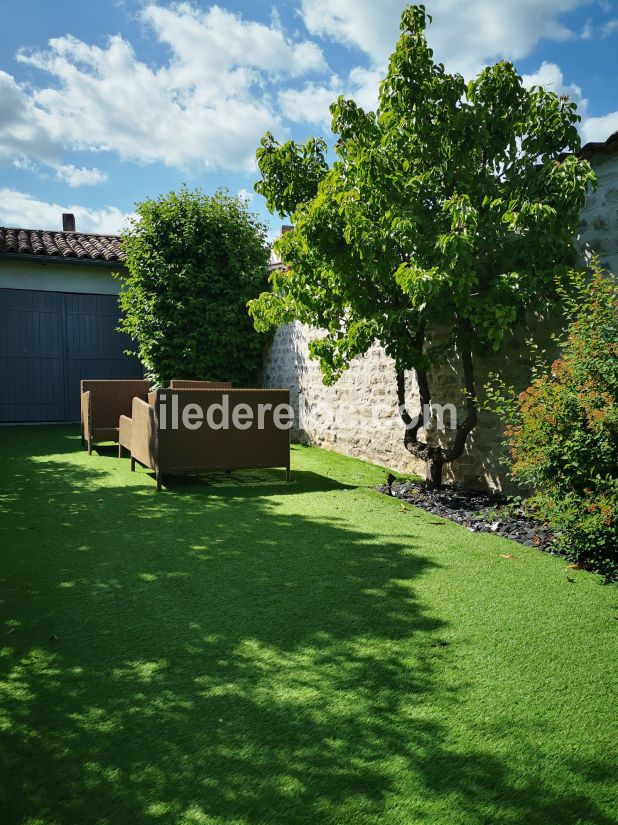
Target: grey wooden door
49,341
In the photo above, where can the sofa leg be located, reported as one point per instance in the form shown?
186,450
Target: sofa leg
288,475
89,446
120,451
158,477
132,464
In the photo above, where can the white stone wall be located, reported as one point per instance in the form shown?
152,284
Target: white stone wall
358,415
598,228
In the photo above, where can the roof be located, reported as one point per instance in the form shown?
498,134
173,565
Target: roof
68,246
604,146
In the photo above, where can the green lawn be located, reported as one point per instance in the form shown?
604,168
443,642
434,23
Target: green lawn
237,650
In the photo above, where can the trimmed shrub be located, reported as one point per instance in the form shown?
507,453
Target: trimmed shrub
563,429
194,261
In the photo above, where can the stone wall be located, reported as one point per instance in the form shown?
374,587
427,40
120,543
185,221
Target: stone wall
358,415
598,229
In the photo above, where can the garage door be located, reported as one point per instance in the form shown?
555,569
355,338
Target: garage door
49,341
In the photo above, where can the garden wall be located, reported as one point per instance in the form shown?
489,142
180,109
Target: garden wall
358,415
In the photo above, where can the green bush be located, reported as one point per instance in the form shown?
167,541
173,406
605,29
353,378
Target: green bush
563,429
194,261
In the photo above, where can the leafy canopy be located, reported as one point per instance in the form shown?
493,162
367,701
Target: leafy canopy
194,262
452,206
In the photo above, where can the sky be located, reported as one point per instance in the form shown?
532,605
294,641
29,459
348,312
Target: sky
104,103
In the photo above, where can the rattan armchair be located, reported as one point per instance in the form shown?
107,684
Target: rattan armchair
102,404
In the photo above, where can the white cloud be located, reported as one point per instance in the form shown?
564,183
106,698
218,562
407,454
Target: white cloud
551,78
370,26
465,34
365,85
311,103
26,164
226,80
24,210
587,31
74,176
205,43
23,132
599,128
208,104
610,27
246,195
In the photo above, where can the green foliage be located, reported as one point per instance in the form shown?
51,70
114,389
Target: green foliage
194,262
452,203
293,172
563,430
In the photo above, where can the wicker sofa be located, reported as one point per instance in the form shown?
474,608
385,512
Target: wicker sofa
184,384
156,445
102,404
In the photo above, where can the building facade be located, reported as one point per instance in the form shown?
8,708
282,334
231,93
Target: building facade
58,320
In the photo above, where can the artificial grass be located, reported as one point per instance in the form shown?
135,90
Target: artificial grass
237,650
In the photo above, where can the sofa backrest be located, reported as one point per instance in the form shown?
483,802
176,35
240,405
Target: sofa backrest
184,384
109,399
259,443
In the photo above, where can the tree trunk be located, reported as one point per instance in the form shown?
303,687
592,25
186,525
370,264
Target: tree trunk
433,474
436,457
432,456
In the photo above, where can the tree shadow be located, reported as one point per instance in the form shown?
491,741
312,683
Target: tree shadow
218,656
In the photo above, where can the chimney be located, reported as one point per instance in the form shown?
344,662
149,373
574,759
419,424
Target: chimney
286,227
68,222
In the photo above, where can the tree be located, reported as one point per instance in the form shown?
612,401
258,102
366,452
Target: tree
446,215
194,262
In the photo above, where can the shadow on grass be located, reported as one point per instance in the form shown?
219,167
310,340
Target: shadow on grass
269,481
216,657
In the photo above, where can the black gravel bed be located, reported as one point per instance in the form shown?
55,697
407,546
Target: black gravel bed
478,510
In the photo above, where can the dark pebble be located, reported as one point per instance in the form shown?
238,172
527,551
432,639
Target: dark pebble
479,511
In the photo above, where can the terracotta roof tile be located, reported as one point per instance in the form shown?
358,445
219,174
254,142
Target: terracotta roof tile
77,245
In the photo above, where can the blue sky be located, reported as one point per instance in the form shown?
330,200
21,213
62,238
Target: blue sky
105,103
